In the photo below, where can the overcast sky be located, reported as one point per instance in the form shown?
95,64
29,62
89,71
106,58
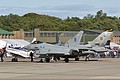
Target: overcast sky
60,8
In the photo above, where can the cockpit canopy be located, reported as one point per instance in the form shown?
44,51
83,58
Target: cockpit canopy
37,42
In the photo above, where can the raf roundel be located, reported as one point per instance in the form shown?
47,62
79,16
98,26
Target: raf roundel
101,38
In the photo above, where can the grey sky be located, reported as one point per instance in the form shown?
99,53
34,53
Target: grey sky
60,8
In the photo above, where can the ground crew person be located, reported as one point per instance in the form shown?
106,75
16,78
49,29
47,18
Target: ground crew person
2,54
2,57
31,56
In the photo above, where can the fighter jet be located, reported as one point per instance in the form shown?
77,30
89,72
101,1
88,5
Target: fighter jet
72,47
96,46
47,51
14,48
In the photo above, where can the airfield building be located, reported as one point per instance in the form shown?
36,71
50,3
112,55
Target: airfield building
52,36
6,34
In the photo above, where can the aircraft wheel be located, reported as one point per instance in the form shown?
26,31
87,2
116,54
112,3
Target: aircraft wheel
58,58
87,58
14,60
47,59
76,59
66,59
55,58
41,60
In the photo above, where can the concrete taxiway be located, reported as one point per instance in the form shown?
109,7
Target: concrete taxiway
103,69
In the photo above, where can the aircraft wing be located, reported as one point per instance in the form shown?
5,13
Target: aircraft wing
85,53
40,52
19,53
88,52
95,49
58,53
100,49
85,50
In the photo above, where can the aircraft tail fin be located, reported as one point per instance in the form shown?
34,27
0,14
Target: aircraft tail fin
58,42
101,40
72,43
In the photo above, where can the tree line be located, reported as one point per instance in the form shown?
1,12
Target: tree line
30,21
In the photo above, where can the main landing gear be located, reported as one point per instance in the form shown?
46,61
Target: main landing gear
15,59
77,59
47,60
66,59
87,57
